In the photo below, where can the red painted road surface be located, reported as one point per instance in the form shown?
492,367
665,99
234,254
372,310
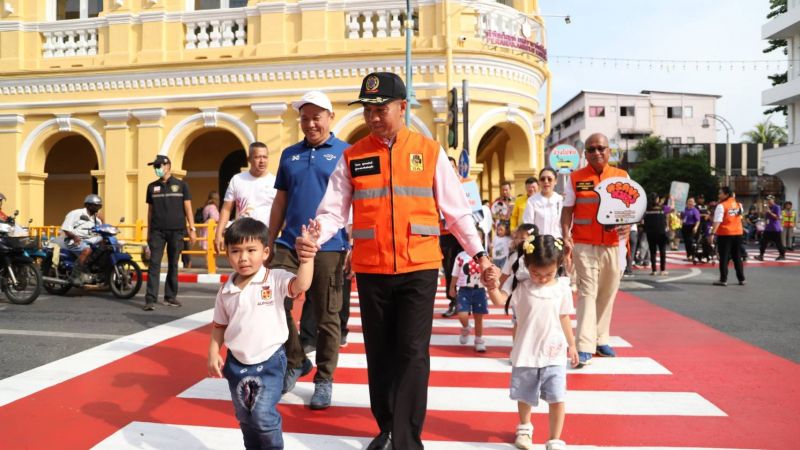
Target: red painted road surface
757,391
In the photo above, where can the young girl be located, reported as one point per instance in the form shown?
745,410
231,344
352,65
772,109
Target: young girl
471,298
544,338
501,245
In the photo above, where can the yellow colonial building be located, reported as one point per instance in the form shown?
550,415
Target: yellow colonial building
92,90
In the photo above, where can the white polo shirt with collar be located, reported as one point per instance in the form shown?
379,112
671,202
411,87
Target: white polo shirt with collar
254,317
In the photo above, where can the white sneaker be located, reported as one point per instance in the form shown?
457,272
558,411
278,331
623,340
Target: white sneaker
480,345
464,335
555,444
524,436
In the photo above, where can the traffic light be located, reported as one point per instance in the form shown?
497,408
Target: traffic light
452,118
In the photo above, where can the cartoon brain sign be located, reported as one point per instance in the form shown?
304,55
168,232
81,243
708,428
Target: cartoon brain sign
622,201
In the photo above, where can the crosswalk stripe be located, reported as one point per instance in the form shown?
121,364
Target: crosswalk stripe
627,403
452,323
148,435
491,341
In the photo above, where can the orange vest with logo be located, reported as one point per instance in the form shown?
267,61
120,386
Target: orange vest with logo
585,228
731,218
395,218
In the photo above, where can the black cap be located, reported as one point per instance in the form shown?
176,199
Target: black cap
379,88
160,159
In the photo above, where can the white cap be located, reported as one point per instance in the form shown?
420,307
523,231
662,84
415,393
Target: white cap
315,98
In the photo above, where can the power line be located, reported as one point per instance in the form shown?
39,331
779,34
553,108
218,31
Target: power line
674,65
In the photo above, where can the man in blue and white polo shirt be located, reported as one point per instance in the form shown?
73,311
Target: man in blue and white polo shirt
301,182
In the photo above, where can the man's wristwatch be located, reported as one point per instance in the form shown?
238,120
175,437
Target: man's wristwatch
478,256
192,229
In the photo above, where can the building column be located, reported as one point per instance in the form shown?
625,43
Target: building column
270,129
31,197
117,198
150,132
10,141
313,26
270,30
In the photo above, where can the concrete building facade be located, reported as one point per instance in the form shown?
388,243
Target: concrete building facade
784,161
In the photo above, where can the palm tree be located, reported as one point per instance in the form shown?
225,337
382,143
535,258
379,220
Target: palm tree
766,132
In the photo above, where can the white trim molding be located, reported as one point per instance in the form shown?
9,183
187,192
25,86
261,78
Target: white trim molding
11,120
199,117
62,121
269,112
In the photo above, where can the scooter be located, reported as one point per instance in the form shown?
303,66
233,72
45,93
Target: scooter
109,267
20,278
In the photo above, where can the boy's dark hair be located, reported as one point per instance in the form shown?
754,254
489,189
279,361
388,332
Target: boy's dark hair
546,251
246,229
726,190
531,180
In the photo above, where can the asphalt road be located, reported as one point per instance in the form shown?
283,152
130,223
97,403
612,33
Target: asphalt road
765,313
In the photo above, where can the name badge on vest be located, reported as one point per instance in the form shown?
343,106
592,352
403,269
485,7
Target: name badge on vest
415,162
582,186
365,166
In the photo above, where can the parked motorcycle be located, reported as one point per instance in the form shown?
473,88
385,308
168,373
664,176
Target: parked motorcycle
108,267
20,278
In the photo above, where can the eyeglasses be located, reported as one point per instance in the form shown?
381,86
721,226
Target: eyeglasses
595,149
546,178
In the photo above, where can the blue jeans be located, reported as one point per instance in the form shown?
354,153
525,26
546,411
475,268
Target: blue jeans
255,391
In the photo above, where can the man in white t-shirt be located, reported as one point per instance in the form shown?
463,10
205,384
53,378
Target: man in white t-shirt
253,192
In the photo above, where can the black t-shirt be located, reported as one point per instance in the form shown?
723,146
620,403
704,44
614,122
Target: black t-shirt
655,222
166,198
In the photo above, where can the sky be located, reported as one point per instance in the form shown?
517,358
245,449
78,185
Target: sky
665,29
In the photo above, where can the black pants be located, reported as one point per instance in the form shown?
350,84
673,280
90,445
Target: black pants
688,240
450,249
774,237
156,240
729,247
308,326
397,315
657,242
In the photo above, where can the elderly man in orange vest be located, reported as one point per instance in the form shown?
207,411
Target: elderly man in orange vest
397,181
594,249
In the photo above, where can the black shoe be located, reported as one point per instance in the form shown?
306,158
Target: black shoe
759,257
451,311
382,441
720,283
742,282
780,258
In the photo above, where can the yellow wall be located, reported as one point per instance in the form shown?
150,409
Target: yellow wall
145,92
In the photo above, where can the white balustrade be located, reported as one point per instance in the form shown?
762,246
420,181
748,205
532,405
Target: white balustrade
376,23
71,39
216,29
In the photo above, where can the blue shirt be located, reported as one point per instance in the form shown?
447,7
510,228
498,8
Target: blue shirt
303,174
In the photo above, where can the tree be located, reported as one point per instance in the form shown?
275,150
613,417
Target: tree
766,132
776,8
650,148
656,175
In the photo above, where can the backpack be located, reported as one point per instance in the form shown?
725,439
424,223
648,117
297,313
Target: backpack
198,215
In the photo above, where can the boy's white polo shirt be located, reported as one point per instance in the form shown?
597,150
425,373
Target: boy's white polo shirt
255,319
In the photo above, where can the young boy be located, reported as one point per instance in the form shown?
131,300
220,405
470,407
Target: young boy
249,317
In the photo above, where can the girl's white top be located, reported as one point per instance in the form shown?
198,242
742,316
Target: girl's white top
540,340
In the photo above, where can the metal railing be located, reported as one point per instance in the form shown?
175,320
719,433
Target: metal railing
136,234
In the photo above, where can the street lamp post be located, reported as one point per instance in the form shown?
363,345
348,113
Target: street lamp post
728,131
410,96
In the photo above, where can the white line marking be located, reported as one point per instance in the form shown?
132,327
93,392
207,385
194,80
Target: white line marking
493,399
693,272
491,341
151,436
60,334
26,383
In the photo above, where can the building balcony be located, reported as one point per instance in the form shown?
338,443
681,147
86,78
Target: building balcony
782,94
265,30
785,25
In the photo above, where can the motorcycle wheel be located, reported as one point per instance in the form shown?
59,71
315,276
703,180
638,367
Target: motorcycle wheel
53,288
28,286
125,279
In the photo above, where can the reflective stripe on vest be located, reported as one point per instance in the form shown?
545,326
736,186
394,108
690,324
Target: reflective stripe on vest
424,230
365,233
361,194
587,200
411,191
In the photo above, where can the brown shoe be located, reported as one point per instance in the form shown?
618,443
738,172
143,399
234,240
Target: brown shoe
172,302
149,307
